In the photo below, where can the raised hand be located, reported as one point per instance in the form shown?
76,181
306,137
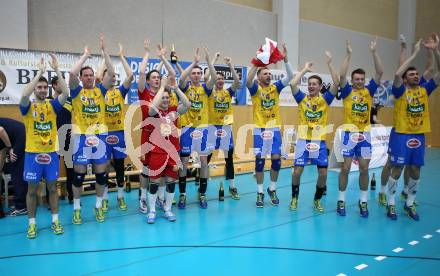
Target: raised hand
87,52
164,82
161,51
417,46
101,42
284,50
197,55
349,49
147,45
227,60
373,45
308,66
121,50
54,62
328,57
207,58
42,65
431,42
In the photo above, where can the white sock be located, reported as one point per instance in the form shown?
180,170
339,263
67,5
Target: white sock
105,194
383,188
260,188
392,186
98,202
412,190
54,217
143,193
405,187
168,201
152,202
273,185
32,221
120,192
161,192
76,204
341,196
231,183
364,196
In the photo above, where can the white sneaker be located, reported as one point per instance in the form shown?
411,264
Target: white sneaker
143,207
170,216
151,217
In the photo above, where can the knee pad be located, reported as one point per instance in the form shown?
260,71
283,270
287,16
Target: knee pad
78,179
153,188
119,168
259,164
276,164
171,186
101,178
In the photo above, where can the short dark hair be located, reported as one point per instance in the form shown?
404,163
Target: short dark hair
261,69
411,68
54,81
197,67
221,73
316,77
43,79
359,71
85,68
148,76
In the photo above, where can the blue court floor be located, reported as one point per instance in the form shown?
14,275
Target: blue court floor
235,238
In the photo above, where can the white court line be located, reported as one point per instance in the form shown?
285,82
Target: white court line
380,258
361,266
413,243
397,250
427,236
341,274
438,231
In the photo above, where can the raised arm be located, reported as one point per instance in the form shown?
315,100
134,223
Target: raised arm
61,81
402,55
184,101
212,72
161,52
297,79
29,88
207,75
289,71
143,65
333,73
398,81
344,66
377,61
236,82
73,74
187,71
251,76
432,44
107,81
127,69
100,70
429,68
157,100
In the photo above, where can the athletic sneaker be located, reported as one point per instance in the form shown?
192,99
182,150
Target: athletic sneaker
382,199
340,208
182,201
32,231
99,214
77,217
317,205
363,209
411,212
260,200
143,207
121,204
294,203
391,212
57,228
273,197
202,201
105,205
404,196
170,216
160,203
234,193
151,217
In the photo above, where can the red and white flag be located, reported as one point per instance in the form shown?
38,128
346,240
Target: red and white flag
267,54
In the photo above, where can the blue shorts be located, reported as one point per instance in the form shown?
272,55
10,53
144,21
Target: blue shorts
220,137
89,149
407,149
356,144
41,165
267,141
310,152
194,139
115,141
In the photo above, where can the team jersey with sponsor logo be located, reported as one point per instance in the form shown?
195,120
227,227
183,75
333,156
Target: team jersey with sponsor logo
114,108
40,120
197,115
220,107
411,108
313,115
357,106
88,110
164,135
266,104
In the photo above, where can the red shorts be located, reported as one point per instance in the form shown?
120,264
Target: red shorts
159,166
145,145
